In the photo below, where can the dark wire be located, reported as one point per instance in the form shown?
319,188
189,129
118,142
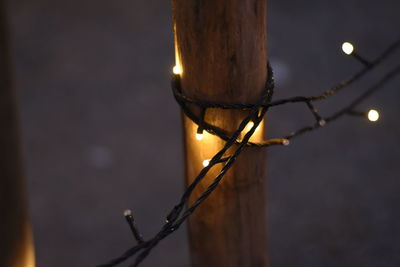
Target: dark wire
178,215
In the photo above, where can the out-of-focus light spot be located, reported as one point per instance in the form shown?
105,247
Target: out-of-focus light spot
101,157
347,48
373,115
206,162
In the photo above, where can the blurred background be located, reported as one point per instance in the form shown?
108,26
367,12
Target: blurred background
102,132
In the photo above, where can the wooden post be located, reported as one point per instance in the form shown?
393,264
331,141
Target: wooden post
221,50
16,248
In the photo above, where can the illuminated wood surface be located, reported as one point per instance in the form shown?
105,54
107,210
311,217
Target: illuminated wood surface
221,49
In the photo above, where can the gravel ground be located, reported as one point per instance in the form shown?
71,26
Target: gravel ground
93,80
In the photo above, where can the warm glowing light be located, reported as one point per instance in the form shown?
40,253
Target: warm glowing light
199,136
206,162
373,115
177,70
258,133
26,253
249,126
285,142
127,213
347,48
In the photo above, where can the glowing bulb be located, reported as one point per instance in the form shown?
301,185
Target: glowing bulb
373,115
199,136
285,142
206,162
347,48
127,213
177,70
322,122
249,126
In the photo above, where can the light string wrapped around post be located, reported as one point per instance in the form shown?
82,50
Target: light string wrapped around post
183,100
256,113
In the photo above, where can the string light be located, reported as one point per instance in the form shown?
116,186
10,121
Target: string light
177,70
285,142
199,136
249,126
131,222
347,48
182,210
373,115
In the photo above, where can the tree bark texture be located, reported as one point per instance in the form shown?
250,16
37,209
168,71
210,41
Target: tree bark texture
221,48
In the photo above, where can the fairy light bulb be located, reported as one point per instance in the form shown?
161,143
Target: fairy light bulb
249,125
206,162
177,70
127,213
373,115
285,142
199,136
347,48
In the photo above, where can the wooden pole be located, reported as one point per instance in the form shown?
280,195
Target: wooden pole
221,50
16,248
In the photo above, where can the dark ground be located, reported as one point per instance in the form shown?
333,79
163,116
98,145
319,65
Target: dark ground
102,132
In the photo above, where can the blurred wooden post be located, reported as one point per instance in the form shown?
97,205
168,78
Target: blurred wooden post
221,49
16,248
